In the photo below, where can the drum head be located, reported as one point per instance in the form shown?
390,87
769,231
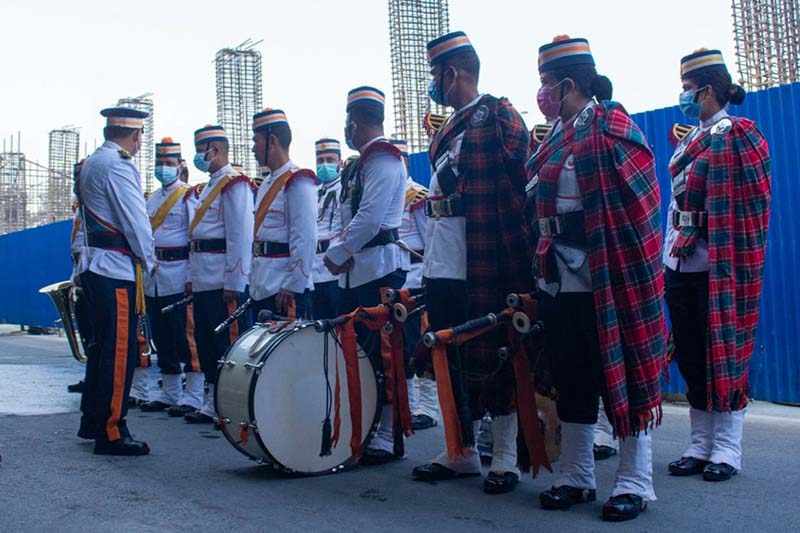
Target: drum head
289,402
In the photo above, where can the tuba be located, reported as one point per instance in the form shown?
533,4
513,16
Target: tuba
63,295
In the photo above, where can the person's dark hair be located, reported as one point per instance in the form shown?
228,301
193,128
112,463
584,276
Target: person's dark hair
720,80
466,61
282,132
367,115
116,133
587,80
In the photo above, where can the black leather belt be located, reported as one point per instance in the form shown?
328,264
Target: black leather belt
323,245
108,241
384,237
417,258
689,219
270,249
570,226
207,246
172,253
452,206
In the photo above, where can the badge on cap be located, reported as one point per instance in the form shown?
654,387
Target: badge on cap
479,116
585,118
722,127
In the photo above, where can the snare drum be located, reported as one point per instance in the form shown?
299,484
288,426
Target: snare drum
273,394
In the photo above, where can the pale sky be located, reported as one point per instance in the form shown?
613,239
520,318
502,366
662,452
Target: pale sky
63,61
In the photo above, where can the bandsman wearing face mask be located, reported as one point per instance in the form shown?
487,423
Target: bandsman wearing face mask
598,265
364,255
118,252
477,250
714,254
220,253
285,227
173,333
326,285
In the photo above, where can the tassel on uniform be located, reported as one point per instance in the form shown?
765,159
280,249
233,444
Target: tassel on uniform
327,442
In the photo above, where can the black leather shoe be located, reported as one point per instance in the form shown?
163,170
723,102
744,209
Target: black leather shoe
687,466
77,387
134,402
154,406
500,483
376,457
198,418
718,472
180,410
437,472
623,507
85,431
602,453
564,497
126,446
419,422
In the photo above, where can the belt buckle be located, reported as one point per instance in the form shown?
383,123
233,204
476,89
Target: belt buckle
685,219
436,208
544,227
193,246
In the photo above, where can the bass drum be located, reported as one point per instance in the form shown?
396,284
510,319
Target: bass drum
274,391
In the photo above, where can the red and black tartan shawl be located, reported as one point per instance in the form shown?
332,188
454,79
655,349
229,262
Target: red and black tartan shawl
732,167
491,181
621,202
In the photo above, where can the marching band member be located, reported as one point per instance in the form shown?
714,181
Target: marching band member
714,254
173,333
597,261
475,251
220,241
326,285
285,223
362,255
422,397
119,247
76,244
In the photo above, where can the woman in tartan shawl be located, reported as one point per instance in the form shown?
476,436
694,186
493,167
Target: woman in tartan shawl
598,264
714,254
477,251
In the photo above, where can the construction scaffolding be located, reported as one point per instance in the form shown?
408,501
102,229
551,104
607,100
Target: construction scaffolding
64,145
145,158
239,96
412,23
13,192
767,40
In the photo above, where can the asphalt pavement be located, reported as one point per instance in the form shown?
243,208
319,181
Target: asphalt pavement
193,480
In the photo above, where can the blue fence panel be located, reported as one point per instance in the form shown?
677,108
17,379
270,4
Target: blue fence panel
420,168
775,368
32,259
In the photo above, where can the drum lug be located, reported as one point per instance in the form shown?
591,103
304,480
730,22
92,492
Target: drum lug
257,366
229,364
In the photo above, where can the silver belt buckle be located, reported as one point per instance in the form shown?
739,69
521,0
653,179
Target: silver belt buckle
544,227
685,219
436,208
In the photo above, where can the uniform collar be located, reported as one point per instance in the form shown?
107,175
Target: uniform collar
169,188
328,185
112,145
224,171
280,170
713,119
376,139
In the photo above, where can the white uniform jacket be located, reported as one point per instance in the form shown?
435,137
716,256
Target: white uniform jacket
172,275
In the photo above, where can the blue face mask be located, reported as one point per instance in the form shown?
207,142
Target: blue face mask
165,174
348,138
689,107
435,93
326,172
201,163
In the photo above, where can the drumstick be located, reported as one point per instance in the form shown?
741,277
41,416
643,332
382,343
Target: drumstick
409,250
179,303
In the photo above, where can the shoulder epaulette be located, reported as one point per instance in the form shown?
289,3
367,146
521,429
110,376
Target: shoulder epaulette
381,146
678,132
241,178
433,122
416,196
540,132
194,190
301,173
124,154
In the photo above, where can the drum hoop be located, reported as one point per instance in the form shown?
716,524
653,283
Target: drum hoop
349,463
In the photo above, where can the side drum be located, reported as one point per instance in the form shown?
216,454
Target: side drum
276,387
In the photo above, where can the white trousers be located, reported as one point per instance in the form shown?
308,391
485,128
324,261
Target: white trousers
576,465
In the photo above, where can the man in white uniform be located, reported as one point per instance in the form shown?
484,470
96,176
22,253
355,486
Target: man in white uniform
118,249
326,285
285,223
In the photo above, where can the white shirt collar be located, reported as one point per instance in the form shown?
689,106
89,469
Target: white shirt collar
227,169
280,170
713,119
376,139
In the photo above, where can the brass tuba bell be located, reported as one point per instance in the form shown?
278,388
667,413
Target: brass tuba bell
63,294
